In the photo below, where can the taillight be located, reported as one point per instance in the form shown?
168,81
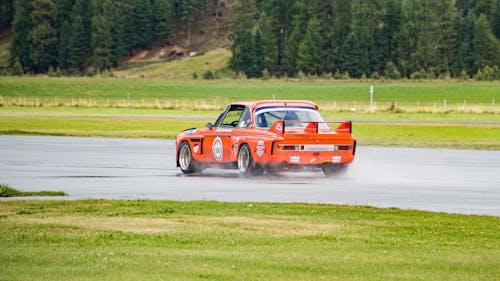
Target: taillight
288,147
344,147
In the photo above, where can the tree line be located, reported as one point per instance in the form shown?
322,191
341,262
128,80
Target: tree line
357,38
76,34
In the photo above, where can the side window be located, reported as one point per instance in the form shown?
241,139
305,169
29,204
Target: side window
246,119
231,117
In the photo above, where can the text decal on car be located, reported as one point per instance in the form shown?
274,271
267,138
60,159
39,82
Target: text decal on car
217,149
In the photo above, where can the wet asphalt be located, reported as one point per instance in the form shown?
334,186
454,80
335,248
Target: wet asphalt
453,181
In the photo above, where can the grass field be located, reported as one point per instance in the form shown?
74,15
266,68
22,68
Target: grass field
211,115
200,101
162,240
350,91
485,136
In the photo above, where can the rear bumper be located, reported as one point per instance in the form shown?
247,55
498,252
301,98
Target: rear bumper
305,159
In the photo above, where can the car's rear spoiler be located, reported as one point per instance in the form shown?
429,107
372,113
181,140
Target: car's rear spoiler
311,127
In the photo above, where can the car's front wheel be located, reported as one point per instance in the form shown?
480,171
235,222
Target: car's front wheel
246,165
331,170
186,161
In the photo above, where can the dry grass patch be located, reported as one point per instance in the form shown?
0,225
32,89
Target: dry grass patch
255,226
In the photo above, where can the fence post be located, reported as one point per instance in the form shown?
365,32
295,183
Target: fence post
493,104
371,98
444,104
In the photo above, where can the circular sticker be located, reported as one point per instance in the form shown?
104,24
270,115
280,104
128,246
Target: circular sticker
279,128
217,149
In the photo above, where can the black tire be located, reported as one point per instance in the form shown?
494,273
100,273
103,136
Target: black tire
186,162
330,170
246,165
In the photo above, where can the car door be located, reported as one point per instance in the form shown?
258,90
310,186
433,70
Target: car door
218,142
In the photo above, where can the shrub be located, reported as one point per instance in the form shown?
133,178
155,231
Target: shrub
17,69
195,75
418,75
391,72
302,76
52,72
266,75
489,73
208,75
91,72
375,76
463,75
337,75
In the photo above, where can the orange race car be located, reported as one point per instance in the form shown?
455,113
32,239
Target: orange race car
267,136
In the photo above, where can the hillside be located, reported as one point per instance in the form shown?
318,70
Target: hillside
417,39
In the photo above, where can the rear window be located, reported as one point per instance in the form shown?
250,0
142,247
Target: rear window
265,117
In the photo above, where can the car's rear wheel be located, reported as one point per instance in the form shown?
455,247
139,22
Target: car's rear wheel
186,162
331,170
246,164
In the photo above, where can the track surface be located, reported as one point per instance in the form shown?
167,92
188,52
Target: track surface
455,181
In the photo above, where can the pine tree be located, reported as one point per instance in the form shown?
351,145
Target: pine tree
244,18
464,59
495,19
117,30
269,42
310,58
247,55
280,11
324,12
386,43
427,36
64,8
291,48
234,61
163,13
22,26
6,13
343,18
79,41
142,22
486,45
43,36
259,56
350,54
78,46
62,48
101,35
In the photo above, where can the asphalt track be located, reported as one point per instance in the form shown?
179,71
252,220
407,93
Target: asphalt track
454,181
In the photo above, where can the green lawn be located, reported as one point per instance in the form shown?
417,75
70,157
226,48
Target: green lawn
211,115
485,136
203,100
115,88
164,240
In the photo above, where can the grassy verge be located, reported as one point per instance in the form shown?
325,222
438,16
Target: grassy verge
212,114
348,91
7,191
485,136
163,240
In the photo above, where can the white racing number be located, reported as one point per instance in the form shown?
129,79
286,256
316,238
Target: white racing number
217,149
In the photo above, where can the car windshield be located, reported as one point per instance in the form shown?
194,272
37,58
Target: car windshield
266,116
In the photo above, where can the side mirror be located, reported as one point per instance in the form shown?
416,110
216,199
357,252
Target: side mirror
210,125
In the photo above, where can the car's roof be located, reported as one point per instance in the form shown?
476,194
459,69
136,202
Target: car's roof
260,103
